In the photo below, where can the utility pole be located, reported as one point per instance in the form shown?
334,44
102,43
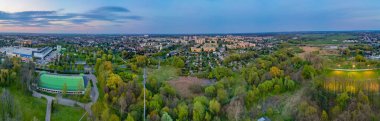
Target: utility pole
144,76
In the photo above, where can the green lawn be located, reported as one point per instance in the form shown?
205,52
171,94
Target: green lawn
165,73
66,113
29,106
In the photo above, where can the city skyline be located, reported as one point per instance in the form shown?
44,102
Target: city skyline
184,17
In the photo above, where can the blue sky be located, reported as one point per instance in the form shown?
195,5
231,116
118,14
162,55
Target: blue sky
187,16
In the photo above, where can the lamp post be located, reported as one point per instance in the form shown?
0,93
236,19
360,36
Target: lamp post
144,76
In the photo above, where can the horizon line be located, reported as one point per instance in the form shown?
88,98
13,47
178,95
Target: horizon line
206,33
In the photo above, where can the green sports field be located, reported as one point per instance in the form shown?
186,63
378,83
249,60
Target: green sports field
57,81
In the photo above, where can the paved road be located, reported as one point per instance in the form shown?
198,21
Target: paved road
94,91
48,110
68,102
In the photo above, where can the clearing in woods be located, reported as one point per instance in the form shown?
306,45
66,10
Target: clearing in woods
183,85
307,50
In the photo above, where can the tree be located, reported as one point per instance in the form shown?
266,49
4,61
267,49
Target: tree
123,104
308,72
214,106
347,52
276,72
235,109
342,99
87,92
64,89
198,111
166,117
208,117
176,61
8,109
222,95
182,111
80,87
277,88
324,116
266,86
114,81
130,117
220,72
289,84
307,112
113,117
252,97
210,91
97,109
141,60
362,98
359,58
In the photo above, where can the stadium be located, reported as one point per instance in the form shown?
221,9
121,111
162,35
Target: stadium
53,83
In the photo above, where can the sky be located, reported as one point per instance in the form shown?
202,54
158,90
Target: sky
187,16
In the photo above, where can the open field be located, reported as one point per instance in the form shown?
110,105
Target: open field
165,73
183,85
65,113
307,50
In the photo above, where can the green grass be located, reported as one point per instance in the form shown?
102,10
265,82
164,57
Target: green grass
165,73
65,113
29,106
57,82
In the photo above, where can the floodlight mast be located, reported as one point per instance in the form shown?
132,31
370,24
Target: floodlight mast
144,76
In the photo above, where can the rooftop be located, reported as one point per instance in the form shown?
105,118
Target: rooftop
57,82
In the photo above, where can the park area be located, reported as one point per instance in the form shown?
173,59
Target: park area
352,80
164,73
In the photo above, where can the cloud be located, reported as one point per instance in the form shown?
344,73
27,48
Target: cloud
110,14
110,9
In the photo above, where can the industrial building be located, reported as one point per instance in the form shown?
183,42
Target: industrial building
25,52
42,53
